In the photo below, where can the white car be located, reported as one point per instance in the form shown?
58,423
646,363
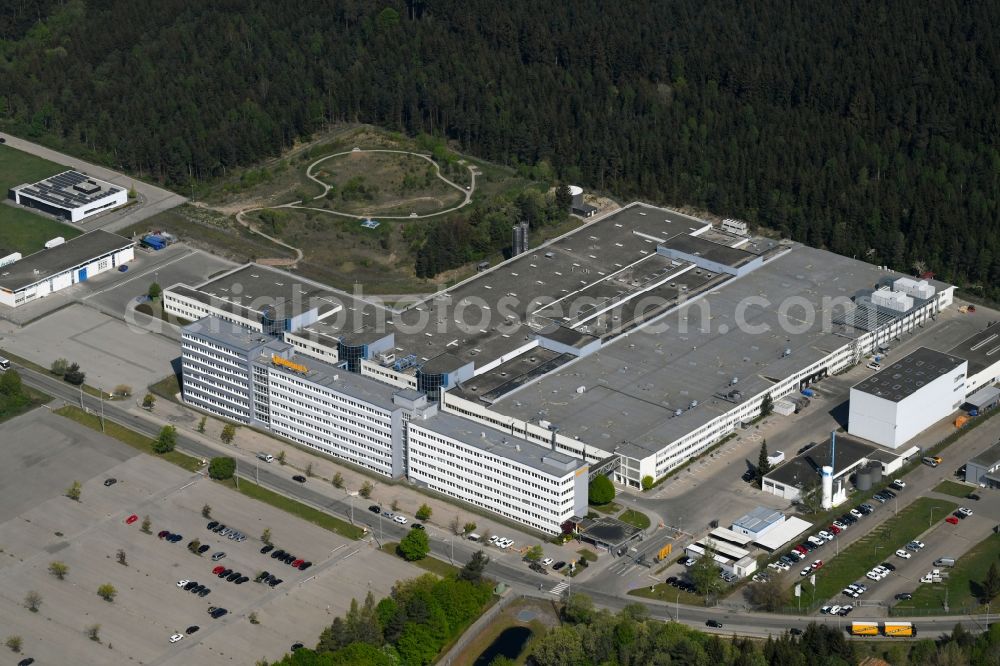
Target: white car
905,554
182,583
964,511
176,637
494,539
899,483
857,514
775,566
400,519
825,535
926,578
839,525
816,541
547,561
917,544
834,610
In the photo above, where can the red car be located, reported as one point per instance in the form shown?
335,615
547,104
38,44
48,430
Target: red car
951,519
163,533
834,529
817,564
801,549
297,563
131,519
217,570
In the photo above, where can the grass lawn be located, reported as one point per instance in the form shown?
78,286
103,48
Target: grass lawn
17,168
962,584
610,509
19,360
432,564
664,592
636,518
26,232
878,545
35,398
166,388
954,489
587,554
303,511
126,436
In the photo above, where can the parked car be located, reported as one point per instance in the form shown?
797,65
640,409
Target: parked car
904,596
400,519
122,268
217,570
266,549
952,520
174,538
905,554
131,519
218,612
930,462
203,549
176,637
898,484
225,573
192,629
204,593
375,508
163,534
715,624
305,565
218,556
182,582
965,511
110,482
299,478
973,496
559,565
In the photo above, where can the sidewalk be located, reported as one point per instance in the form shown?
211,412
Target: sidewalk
248,442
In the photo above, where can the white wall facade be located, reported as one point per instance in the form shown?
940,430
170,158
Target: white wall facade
512,489
216,379
892,424
119,198
67,278
191,309
334,423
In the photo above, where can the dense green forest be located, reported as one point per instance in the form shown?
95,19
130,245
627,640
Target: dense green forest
869,128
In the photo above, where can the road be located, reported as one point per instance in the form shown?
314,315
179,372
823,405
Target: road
152,199
520,578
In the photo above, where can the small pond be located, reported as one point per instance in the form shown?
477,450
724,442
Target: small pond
509,644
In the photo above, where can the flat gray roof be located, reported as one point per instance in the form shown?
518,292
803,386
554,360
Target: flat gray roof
804,469
228,334
74,253
337,379
501,444
989,457
759,518
633,386
909,374
717,252
981,350
253,287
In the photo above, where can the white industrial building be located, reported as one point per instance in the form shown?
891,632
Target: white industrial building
982,351
517,479
71,195
62,265
901,400
626,388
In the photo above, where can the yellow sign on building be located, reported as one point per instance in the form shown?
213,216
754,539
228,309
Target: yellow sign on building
285,363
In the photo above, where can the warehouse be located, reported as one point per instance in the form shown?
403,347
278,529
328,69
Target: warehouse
982,351
630,345
63,265
900,401
984,469
802,474
71,195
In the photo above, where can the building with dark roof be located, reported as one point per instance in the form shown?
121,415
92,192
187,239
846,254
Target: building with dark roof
63,265
982,351
71,195
899,401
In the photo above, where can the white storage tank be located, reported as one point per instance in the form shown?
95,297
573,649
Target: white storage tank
58,240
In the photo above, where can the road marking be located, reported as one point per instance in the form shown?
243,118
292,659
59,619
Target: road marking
134,277
559,587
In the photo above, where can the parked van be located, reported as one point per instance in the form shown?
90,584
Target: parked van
944,562
474,537
266,457
4,363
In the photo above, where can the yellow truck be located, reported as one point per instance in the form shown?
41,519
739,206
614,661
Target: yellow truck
864,628
899,629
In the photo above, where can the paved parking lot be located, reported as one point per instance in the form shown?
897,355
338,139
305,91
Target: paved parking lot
108,351
177,263
150,607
